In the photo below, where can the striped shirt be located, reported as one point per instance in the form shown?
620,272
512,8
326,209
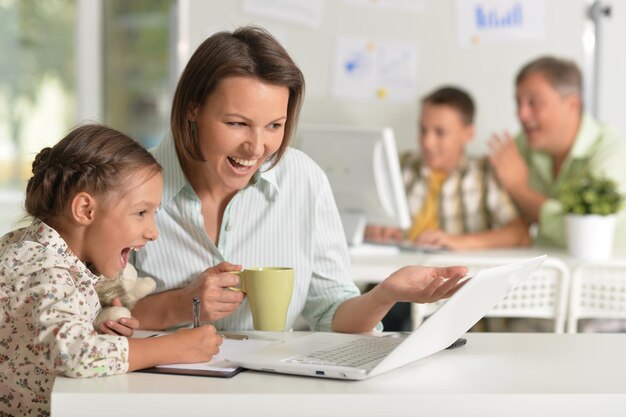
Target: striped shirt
285,217
471,199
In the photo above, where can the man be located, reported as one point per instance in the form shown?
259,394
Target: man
557,142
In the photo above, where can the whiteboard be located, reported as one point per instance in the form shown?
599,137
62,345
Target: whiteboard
487,71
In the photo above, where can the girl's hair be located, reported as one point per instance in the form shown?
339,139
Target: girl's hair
454,97
91,158
248,51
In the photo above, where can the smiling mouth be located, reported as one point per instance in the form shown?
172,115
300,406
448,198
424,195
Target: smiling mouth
126,253
242,165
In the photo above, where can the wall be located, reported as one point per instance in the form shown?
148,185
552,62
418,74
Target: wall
487,71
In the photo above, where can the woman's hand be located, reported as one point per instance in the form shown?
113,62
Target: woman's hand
123,327
420,284
212,287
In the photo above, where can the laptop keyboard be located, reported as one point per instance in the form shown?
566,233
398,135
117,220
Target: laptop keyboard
354,353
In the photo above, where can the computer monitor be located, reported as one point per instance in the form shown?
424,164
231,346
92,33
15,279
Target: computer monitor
363,168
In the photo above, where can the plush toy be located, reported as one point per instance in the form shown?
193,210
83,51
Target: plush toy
127,287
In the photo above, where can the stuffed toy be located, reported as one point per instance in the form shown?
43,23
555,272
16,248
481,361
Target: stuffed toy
127,287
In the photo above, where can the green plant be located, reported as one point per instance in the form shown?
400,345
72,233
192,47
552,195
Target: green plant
589,194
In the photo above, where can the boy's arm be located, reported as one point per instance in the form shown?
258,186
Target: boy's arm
514,233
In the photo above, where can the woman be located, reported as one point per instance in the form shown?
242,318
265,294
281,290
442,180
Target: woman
234,191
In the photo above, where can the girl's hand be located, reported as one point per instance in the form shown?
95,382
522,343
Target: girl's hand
196,345
124,326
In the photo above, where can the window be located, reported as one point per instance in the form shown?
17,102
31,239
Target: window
37,94
37,97
136,51
51,62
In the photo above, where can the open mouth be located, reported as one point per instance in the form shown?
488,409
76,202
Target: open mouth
126,253
242,165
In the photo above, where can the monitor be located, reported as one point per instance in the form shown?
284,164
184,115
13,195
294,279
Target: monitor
363,168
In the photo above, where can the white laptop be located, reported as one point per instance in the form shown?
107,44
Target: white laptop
354,356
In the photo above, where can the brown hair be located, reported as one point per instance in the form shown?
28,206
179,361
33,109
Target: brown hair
248,51
453,97
563,75
91,158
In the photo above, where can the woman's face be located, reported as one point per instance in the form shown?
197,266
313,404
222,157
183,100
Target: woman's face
240,125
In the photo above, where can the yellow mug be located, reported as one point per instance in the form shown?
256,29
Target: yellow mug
269,292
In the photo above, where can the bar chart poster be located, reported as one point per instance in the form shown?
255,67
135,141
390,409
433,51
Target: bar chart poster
374,69
483,22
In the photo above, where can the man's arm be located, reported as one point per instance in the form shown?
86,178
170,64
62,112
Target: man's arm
528,200
512,173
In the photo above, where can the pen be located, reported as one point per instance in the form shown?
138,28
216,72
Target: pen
196,312
234,336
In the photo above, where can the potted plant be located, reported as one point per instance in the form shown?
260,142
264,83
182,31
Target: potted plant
590,203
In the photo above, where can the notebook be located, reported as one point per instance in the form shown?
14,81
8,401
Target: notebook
355,357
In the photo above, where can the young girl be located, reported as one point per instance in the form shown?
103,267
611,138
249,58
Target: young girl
93,198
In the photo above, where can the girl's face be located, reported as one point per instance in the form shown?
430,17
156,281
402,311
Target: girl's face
122,222
240,125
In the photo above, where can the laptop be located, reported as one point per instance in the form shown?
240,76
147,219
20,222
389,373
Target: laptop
357,356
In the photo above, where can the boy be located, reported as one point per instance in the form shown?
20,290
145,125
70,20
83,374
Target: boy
455,201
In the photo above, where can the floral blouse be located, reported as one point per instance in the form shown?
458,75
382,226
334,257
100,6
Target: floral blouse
47,306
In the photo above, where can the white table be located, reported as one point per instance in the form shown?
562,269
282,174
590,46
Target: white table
493,375
569,302
376,267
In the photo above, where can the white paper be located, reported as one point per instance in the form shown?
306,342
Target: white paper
481,22
368,69
308,13
219,363
401,5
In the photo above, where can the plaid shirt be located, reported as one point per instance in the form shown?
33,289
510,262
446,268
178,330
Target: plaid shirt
471,199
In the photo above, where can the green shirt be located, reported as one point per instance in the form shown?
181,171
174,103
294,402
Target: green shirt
597,147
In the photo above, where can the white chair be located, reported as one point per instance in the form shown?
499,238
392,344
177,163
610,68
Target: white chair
543,295
598,291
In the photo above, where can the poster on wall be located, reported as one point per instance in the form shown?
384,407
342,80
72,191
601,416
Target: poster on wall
376,70
482,22
399,5
306,13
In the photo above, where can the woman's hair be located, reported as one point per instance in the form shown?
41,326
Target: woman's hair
248,51
453,97
91,158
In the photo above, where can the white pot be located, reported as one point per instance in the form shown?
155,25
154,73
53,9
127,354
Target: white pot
590,237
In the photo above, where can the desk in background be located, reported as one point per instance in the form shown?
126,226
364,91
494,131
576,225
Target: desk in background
561,298
493,375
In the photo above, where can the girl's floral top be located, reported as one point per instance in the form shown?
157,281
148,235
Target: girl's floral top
47,307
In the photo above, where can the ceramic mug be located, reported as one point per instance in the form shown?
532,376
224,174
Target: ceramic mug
269,293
